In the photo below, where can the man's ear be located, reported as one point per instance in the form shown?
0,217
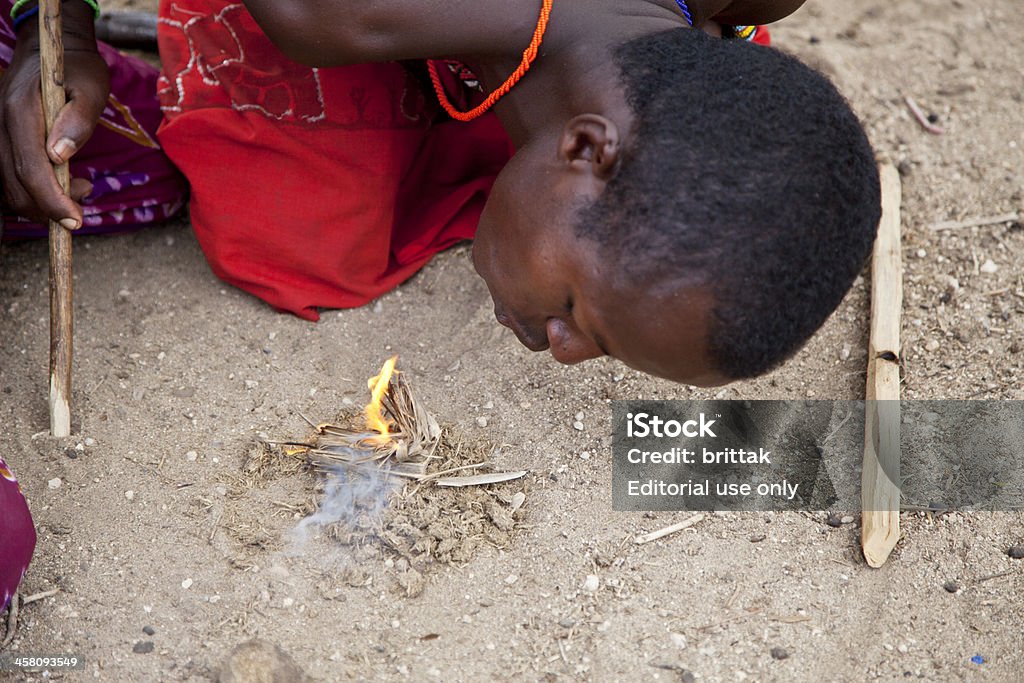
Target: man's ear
591,142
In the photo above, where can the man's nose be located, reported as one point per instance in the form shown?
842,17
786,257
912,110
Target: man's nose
568,344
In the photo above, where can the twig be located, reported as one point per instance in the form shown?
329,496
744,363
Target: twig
995,576
979,392
880,489
438,475
214,527
481,479
661,533
792,619
921,117
39,596
734,617
838,427
12,620
975,222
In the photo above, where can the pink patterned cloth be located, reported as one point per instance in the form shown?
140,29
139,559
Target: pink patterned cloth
17,535
134,184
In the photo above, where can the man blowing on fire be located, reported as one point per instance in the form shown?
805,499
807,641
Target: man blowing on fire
693,206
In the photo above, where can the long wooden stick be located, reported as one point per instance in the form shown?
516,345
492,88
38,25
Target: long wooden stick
880,479
51,60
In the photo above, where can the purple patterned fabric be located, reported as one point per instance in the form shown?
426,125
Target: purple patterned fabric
134,184
17,535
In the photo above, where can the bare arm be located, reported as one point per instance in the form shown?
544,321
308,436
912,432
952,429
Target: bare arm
745,12
335,32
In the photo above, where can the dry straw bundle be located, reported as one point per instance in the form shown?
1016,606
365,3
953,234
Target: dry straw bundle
396,436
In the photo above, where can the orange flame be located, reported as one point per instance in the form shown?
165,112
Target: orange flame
378,386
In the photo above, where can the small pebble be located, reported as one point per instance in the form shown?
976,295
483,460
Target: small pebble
186,584
511,578
844,353
678,640
578,426
489,405
989,266
779,653
143,647
834,520
921,253
191,456
54,483
481,421
585,455
932,345
71,452
592,583
757,538
1016,552
847,519
90,442
579,415
951,586
130,495
148,630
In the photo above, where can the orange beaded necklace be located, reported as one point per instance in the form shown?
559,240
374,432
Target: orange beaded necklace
528,56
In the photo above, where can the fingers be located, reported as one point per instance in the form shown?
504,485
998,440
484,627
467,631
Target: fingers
30,186
29,179
80,189
77,119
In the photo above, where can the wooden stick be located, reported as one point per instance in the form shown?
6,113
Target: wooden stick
880,492
39,596
975,222
662,533
51,59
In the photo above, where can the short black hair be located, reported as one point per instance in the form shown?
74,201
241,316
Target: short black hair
746,172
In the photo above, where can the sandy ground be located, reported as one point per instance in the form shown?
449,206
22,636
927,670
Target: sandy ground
159,523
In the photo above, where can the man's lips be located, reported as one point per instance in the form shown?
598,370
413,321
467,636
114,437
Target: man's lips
524,337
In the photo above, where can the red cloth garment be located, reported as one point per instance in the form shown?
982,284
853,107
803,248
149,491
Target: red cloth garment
313,188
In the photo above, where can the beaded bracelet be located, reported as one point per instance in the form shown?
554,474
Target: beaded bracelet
19,4
682,6
24,16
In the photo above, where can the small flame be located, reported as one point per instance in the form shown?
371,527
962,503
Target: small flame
378,386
